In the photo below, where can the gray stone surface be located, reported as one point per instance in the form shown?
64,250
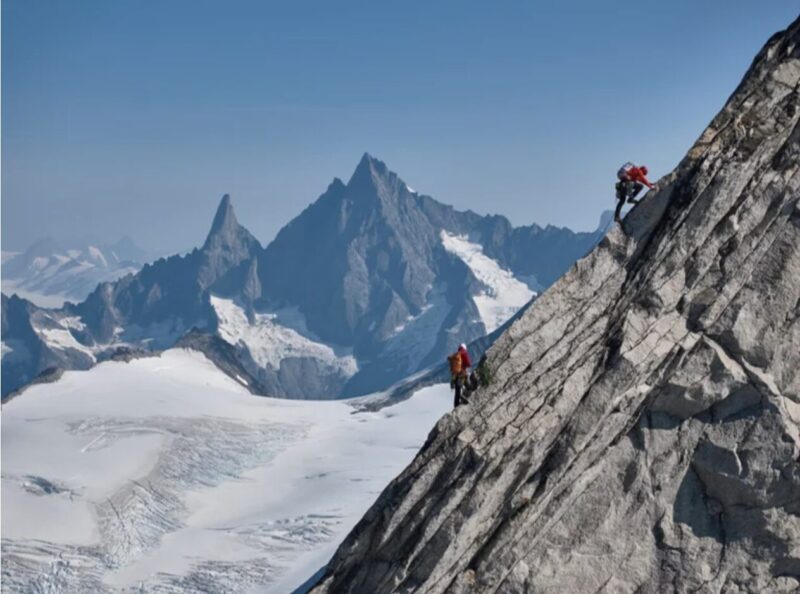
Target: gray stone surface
641,434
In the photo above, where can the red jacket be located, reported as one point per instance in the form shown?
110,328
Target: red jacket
635,174
465,360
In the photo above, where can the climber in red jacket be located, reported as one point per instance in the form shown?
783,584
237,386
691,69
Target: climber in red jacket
631,179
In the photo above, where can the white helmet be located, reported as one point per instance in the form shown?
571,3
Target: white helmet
462,346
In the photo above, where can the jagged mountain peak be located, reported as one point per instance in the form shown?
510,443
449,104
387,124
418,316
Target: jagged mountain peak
224,220
226,231
371,163
227,246
372,178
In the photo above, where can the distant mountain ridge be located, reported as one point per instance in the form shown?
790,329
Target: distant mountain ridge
370,283
50,272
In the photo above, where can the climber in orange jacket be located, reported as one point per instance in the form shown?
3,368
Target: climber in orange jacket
460,364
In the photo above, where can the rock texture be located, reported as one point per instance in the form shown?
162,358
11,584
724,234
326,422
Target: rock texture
641,433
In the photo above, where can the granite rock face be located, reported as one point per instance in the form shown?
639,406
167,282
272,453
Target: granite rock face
642,431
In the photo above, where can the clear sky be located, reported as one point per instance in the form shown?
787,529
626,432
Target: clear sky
135,116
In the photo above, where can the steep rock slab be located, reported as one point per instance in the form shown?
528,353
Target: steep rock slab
641,432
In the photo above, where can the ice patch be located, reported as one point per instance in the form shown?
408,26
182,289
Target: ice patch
63,340
73,323
503,294
274,336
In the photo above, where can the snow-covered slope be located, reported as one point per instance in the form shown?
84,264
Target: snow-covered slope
49,273
163,474
269,341
272,337
502,295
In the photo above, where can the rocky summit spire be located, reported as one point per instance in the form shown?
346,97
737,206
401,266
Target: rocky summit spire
227,245
226,230
368,166
641,430
225,222
373,179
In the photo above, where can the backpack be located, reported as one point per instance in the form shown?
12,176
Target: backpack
455,363
622,174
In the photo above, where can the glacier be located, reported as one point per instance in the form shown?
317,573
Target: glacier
165,475
503,294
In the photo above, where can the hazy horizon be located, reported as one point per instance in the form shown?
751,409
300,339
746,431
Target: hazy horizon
97,239
135,118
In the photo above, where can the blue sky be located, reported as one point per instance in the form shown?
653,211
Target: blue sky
134,117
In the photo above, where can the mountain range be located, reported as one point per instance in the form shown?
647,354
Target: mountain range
370,283
51,272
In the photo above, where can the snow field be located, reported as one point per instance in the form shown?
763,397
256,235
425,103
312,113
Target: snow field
163,474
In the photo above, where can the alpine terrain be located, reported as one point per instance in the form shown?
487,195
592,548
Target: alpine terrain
371,283
163,474
641,432
50,272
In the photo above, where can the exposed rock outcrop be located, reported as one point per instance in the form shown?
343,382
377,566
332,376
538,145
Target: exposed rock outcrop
641,433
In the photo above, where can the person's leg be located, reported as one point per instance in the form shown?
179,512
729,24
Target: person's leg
618,210
621,190
637,187
457,400
473,381
620,193
462,380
